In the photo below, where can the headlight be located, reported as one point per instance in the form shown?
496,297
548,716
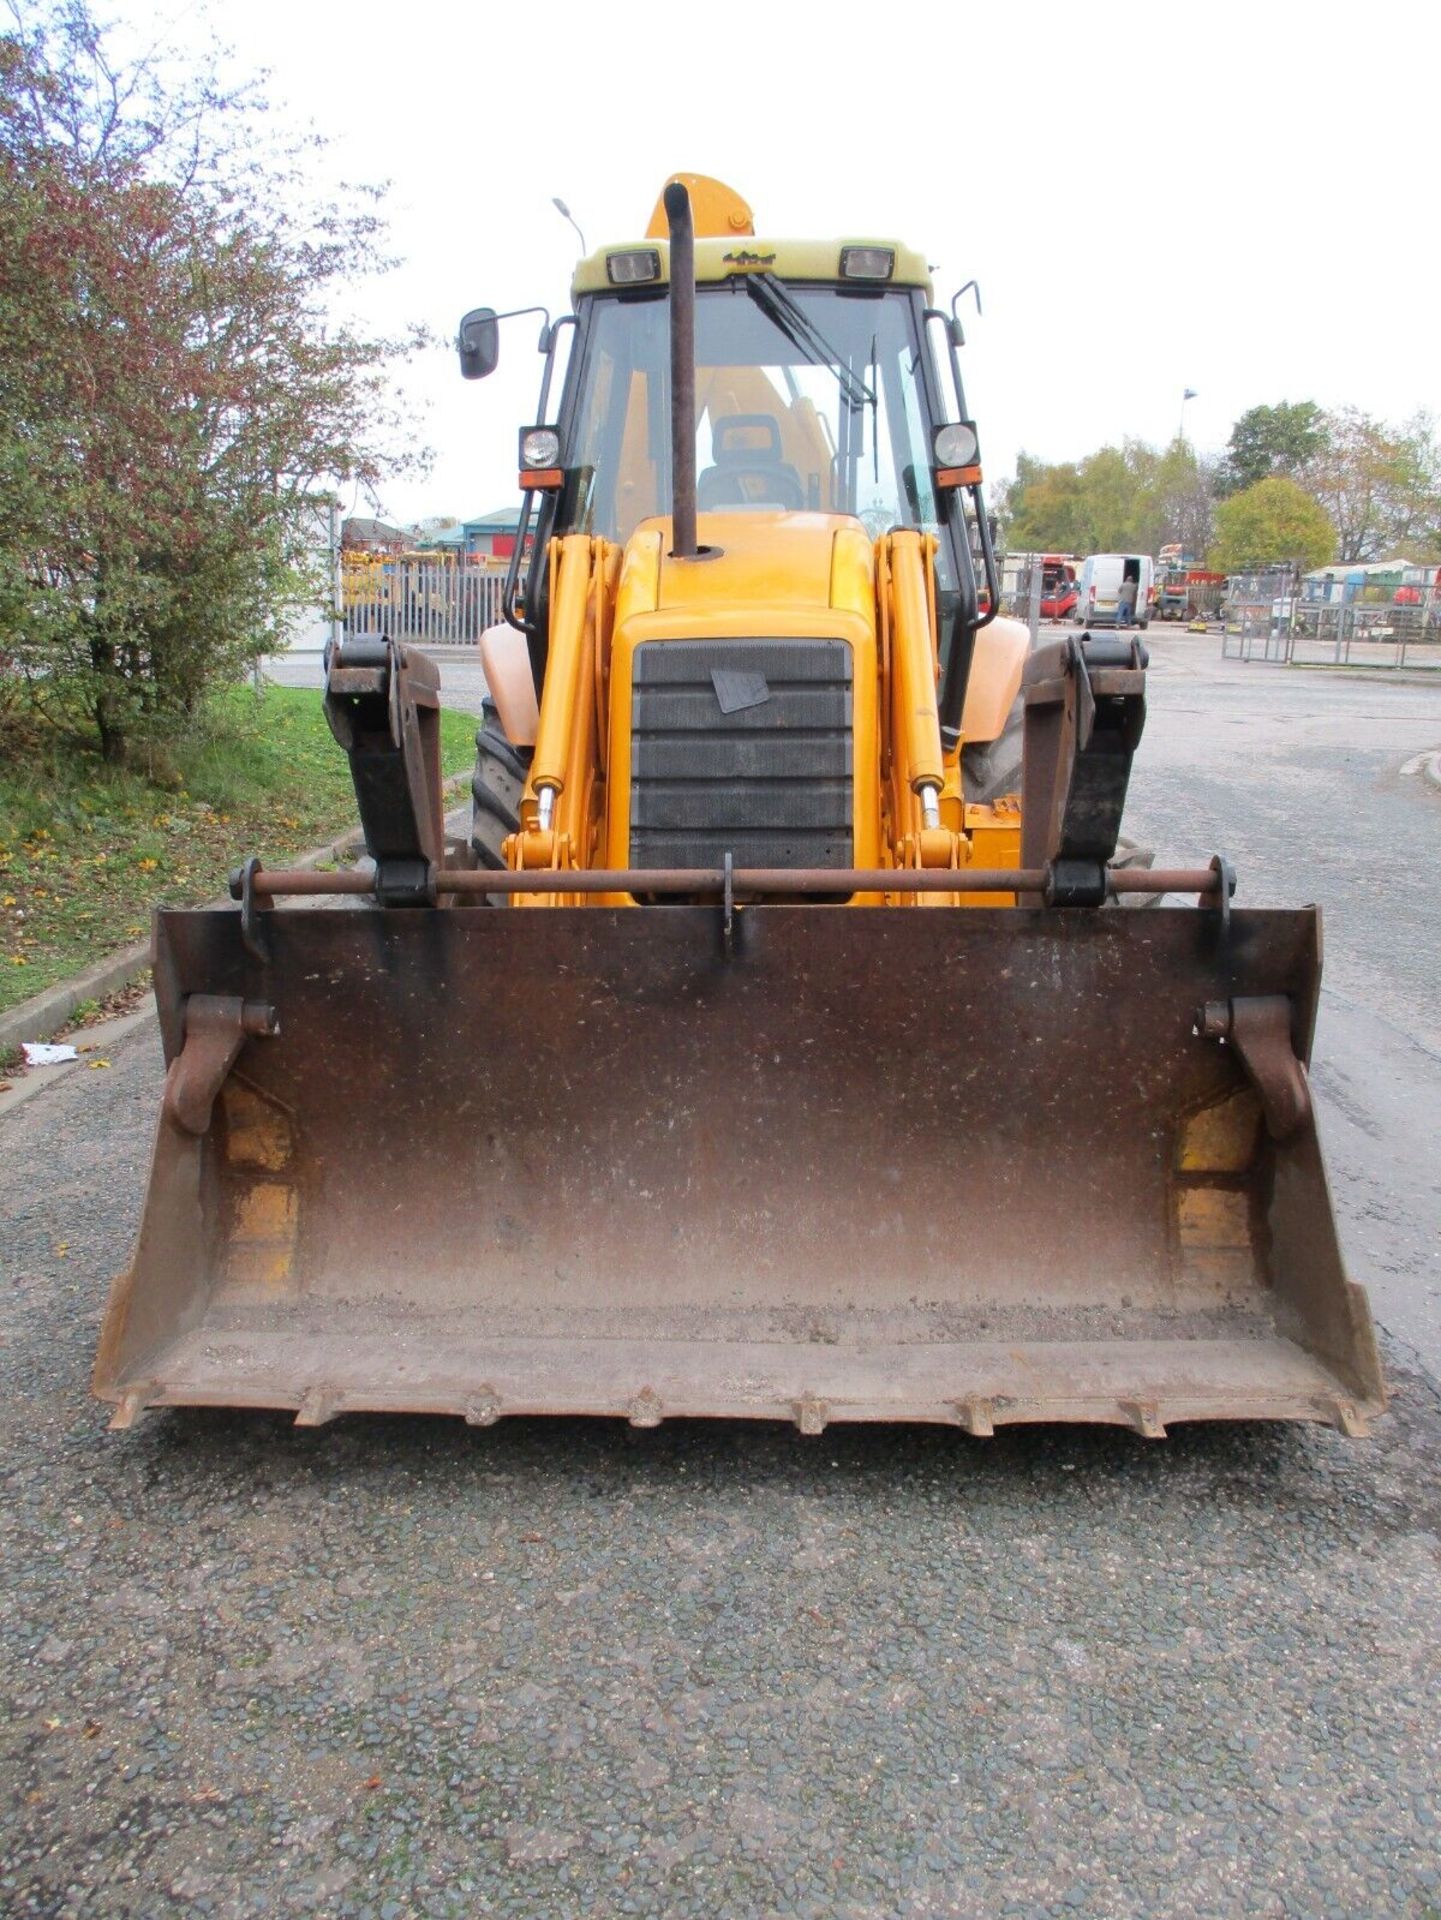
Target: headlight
867,263
539,447
632,269
956,445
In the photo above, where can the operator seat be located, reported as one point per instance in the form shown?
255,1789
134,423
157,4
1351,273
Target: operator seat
748,470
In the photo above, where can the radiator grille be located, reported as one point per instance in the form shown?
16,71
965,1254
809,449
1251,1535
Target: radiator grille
768,782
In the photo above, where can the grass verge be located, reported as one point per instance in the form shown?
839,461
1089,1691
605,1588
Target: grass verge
86,851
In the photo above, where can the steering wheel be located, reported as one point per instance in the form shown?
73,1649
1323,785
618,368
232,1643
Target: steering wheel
720,486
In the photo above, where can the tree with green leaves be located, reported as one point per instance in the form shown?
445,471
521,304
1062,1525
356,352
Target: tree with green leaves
1130,499
1044,509
175,390
1178,505
1380,486
1271,522
1268,441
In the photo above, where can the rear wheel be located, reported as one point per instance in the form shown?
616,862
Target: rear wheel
990,768
496,787
1128,854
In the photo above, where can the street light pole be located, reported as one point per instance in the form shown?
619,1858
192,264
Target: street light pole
1188,394
562,209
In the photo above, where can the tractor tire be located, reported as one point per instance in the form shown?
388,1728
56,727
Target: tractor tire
1129,854
990,768
496,787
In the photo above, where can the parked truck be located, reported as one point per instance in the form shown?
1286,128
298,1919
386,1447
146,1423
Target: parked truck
1185,589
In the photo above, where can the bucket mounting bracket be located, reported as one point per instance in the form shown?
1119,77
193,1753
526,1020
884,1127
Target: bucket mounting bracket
382,700
1259,1028
1085,707
217,1026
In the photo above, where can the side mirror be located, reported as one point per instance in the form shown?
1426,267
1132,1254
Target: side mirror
478,343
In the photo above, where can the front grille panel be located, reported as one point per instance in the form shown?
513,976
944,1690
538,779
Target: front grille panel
770,784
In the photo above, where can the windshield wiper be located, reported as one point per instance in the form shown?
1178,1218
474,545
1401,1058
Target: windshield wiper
780,306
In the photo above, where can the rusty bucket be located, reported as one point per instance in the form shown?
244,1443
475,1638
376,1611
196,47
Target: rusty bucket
973,1166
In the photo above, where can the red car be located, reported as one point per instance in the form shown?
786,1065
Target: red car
1058,592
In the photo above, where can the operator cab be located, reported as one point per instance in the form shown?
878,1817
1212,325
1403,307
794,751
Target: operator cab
820,388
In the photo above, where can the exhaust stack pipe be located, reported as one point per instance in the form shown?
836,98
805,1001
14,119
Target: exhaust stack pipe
682,371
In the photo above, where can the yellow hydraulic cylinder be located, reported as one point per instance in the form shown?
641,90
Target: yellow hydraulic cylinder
565,675
917,725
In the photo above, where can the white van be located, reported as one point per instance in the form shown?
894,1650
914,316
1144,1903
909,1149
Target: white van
1100,585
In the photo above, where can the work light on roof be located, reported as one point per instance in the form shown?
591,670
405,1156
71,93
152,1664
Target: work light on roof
867,263
634,268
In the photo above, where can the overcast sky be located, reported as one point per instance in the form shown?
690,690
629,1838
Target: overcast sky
1236,198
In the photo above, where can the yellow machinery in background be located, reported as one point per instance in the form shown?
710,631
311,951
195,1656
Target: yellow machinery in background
784,1046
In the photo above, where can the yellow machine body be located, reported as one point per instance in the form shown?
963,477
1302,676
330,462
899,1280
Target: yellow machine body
790,576
734,1076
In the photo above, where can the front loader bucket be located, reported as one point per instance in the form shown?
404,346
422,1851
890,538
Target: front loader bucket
974,1166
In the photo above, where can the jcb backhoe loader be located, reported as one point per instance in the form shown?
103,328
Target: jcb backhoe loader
777,1052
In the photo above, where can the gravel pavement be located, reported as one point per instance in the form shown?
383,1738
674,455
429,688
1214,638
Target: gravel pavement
400,1668
1309,782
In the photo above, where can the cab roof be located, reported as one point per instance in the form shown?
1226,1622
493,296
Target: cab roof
717,259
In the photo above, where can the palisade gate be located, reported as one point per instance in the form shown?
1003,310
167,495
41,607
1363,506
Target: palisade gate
438,600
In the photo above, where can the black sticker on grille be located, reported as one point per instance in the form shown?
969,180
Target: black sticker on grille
737,691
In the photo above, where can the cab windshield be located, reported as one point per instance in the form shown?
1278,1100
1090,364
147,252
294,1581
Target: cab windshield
807,398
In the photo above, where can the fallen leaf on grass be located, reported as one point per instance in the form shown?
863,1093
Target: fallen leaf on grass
369,1786
92,1064
90,1730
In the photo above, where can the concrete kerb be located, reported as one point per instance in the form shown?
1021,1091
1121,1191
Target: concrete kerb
1428,765
43,1014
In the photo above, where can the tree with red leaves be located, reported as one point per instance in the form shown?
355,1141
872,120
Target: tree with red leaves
176,393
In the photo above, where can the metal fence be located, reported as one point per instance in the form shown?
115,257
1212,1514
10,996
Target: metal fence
437,602
1289,631
1021,590
1025,583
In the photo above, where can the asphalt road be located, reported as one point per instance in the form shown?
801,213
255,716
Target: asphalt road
396,1668
1297,777
462,683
